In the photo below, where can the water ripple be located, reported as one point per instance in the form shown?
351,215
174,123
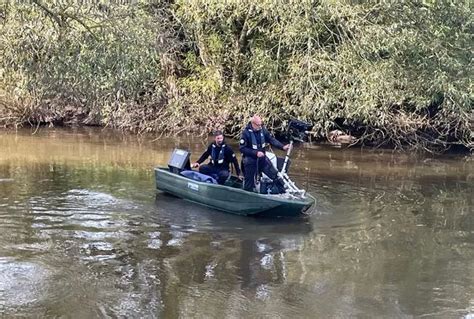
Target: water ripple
21,283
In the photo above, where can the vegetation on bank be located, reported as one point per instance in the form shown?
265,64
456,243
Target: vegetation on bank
396,73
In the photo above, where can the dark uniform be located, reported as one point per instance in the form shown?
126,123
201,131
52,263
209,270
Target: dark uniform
219,166
252,142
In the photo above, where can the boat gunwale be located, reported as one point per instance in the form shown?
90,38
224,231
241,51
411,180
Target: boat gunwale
308,199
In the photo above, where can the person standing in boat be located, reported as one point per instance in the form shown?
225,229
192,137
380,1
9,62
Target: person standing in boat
221,156
253,142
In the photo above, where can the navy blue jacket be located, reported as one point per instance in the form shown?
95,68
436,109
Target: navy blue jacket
250,145
228,158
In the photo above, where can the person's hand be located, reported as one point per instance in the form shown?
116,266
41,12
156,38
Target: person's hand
195,165
260,154
286,147
240,177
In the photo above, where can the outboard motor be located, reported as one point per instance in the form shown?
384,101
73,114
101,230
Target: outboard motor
179,161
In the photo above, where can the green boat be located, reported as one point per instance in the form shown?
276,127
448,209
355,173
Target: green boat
230,197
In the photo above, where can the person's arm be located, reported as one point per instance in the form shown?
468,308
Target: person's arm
273,141
204,155
246,148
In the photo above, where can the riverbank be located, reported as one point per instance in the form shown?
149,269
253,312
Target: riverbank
178,67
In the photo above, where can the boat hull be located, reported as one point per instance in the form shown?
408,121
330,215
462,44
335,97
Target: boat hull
230,199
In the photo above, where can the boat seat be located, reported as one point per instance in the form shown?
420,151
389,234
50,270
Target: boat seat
199,177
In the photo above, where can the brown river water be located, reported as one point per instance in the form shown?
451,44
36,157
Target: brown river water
83,234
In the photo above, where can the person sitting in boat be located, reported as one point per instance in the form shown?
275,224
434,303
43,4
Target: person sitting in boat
221,156
253,142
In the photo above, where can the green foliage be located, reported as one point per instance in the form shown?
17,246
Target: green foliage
396,73
83,56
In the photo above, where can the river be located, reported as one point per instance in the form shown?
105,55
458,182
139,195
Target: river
83,234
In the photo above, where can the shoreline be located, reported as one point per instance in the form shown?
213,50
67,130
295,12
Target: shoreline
454,150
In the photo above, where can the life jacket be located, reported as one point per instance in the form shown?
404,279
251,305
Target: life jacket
254,139
217,158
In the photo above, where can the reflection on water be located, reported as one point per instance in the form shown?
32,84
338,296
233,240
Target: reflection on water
83,234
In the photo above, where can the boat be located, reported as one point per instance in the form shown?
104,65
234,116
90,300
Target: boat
179,180
231,197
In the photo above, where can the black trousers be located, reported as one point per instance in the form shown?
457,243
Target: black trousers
252,167
219,173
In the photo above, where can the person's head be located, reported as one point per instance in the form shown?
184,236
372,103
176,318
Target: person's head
218,137
256,122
